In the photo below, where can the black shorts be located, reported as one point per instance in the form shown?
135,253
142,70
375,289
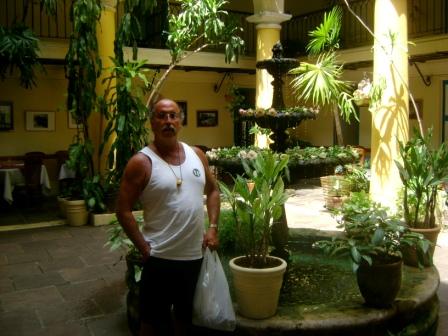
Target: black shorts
168,286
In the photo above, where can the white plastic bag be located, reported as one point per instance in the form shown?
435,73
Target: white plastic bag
212,304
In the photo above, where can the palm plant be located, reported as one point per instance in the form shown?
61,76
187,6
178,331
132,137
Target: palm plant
321,82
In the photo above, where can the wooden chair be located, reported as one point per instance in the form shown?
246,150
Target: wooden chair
32,170
61,158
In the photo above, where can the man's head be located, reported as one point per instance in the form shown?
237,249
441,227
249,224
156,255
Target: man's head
166,118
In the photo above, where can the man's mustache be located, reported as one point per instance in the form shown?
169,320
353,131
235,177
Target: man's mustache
169,128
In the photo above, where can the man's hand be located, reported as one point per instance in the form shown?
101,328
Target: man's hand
211,239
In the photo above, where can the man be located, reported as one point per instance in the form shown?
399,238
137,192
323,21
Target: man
169,178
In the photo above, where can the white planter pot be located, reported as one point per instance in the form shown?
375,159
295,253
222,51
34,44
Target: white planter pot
77,213
257,290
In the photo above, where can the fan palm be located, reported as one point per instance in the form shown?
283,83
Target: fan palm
321,82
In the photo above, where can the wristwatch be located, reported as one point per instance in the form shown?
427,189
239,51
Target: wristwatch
211,226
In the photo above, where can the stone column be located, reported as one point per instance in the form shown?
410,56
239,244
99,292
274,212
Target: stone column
390,120
106,37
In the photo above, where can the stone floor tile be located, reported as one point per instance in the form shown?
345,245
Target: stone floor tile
61,263
110,325
81,290
30,298
6,285
6,248
84,274
29,268
72,311
20,322
24,257
37,280
70,328
51,234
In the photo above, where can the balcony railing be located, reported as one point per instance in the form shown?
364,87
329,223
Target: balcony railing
425,17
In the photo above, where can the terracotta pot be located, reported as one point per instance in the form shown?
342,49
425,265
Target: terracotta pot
257,290
410,253
379,283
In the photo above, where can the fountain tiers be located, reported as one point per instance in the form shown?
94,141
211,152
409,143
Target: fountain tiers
277,67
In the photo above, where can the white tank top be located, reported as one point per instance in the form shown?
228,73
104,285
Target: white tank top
174,216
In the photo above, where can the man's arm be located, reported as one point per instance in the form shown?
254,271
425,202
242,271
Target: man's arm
135,177
213,203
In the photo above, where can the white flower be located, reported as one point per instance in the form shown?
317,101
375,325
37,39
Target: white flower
242,155
272,112
252,154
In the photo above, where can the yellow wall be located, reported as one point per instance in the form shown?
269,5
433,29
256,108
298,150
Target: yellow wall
49,95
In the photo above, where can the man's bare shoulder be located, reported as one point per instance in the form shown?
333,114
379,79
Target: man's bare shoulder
138,163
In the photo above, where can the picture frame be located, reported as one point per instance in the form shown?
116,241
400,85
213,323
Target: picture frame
207,118
6,116
71,122
183,106
40,121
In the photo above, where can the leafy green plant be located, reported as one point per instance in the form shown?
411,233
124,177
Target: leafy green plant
123,107
256,202
357,178
93,194
82,70
118,240
199,25
19,49
422,170
371,234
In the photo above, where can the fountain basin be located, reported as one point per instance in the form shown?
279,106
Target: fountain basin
326,300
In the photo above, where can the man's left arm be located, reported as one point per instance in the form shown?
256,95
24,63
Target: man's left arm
213,203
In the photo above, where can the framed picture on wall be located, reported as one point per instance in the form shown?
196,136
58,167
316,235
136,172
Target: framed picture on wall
183,109
207,118
39,121
6,116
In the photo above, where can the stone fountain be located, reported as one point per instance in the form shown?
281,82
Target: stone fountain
281,118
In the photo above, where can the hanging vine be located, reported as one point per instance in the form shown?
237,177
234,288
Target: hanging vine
83,67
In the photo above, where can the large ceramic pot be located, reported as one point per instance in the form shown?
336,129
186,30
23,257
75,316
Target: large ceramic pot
77,213
379,283
257,290
410,253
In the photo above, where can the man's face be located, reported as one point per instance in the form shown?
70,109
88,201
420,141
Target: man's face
166,120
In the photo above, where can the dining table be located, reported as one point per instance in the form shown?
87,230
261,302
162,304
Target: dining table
11,176
65,172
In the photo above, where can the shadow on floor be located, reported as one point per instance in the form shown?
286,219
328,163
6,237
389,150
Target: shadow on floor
26,212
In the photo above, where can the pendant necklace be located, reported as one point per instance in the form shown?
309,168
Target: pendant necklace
179,180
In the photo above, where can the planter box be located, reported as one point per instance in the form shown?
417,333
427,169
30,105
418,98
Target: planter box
107,218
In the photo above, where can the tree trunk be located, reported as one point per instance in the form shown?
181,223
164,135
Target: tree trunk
337,125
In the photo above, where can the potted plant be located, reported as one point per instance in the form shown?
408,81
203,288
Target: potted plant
423,171
118,240
257,202
374,240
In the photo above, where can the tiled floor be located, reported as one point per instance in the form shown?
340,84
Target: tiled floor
63,281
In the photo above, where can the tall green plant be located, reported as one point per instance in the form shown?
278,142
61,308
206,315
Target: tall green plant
322,82
422,170
83,67
122,103
126,115
256,209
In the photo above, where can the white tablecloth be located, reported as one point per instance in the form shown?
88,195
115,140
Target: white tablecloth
66,172
10,177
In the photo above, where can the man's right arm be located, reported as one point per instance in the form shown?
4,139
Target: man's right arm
135,178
